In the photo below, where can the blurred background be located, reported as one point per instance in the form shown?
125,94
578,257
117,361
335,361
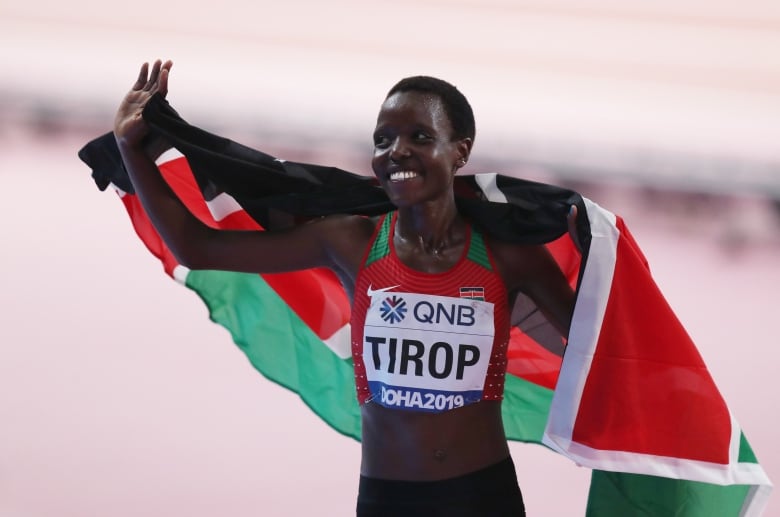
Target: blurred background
118,397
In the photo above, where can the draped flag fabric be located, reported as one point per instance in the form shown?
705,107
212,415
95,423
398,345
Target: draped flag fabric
631,398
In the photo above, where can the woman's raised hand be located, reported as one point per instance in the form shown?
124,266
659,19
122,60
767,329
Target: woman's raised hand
129,126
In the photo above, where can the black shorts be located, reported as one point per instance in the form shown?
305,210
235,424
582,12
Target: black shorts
489,492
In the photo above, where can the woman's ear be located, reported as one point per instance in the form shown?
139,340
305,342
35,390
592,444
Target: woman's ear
464,150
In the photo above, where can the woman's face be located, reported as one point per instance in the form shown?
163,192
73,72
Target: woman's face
415,157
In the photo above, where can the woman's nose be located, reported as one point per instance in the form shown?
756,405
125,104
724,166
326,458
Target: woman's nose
398,150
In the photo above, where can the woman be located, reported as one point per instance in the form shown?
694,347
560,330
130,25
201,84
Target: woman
429,357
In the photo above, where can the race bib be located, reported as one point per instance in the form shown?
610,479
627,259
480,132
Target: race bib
427,353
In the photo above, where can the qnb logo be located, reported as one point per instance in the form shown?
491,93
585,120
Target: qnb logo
393,309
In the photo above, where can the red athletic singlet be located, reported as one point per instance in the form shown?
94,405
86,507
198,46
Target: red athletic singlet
428,341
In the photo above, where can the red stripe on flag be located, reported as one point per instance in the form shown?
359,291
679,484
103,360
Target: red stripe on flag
315,295
179,177
668,404
567,257
528,360
149,236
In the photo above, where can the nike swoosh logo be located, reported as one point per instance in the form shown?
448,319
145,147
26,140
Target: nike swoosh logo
371,292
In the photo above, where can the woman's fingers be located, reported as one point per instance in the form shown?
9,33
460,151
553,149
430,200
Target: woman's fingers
129,126
163,82
157,80
153,76
141,81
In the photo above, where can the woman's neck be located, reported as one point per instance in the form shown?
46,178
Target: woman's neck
430,228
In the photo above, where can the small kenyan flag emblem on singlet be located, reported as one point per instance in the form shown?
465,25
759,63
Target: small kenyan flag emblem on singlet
475,293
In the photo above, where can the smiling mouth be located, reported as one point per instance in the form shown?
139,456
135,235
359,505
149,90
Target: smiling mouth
402,175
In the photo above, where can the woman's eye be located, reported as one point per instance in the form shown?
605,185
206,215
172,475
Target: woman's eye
420,136
380,141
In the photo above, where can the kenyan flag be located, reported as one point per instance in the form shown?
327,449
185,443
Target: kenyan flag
294,327
632,398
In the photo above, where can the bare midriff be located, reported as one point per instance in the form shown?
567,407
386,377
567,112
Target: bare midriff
419,446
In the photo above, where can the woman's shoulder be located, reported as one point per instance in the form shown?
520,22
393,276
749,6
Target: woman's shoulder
359,224
347,236
517,261
339,226
512,252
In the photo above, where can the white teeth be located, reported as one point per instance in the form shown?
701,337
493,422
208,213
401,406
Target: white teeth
402,175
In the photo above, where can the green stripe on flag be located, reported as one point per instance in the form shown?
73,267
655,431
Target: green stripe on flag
283,348
746,454
525,409
615,494
280,345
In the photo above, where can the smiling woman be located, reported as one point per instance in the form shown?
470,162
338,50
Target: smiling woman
439,286
119,398
426,250
418,146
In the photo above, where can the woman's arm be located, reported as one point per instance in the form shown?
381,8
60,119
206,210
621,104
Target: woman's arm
326,242
532,270
544,282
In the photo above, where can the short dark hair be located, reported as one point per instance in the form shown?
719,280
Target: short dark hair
455,103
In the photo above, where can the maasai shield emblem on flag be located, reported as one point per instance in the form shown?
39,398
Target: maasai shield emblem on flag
631,399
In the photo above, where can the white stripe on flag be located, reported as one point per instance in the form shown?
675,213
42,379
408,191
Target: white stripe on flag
668,467
180,274
119,191
585,328
341,342
756,501
222,206
168,156
487,182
